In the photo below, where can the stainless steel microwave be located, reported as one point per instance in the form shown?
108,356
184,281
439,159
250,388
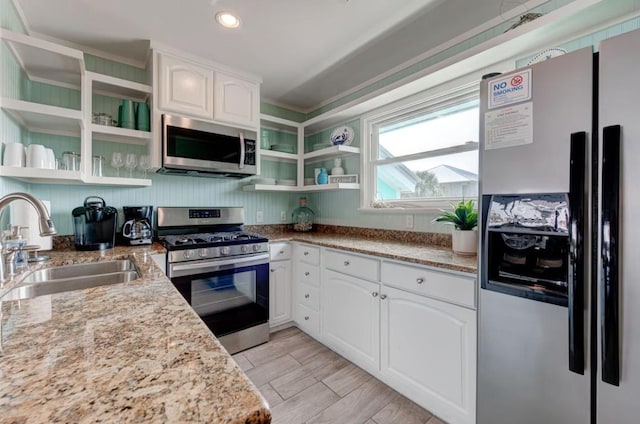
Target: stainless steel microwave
198,148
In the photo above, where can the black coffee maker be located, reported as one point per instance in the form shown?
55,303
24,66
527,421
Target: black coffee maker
137,228
94,224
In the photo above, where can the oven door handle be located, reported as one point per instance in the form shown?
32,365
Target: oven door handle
181,269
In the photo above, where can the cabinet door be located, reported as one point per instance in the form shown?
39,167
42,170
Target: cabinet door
185,87
279,293
235,100
429,353
161,260
350,318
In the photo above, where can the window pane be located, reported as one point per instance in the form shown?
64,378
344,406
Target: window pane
453,175
453,126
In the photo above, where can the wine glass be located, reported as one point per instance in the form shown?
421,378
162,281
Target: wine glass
130,162
144,164
117,162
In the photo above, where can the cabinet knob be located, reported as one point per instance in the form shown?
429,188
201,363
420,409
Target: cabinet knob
420,280
306,318
306,274
306,296
383,296
306,253
281,252
346,263
272,270
374,294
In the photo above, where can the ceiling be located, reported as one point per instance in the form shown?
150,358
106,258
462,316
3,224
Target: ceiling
308,52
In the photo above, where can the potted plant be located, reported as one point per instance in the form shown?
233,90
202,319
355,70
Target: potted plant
464,218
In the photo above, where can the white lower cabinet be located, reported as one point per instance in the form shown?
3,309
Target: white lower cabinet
280,290
279,293
411,326
306,287
351,317
428,353
161,260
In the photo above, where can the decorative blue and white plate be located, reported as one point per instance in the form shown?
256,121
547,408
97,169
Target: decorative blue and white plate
546,55
342,135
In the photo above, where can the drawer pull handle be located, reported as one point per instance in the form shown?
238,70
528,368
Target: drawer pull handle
383,296
374,294
346,263
420,280
306,274
306,253
306,296
306,318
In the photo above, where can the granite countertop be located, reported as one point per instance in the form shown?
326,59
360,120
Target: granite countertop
372,244
130,352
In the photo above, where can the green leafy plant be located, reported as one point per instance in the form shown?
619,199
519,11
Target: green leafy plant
462,216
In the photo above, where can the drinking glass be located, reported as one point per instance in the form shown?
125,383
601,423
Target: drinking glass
130,162
144,164
117,162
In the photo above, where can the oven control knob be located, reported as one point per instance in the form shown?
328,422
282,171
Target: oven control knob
244,249
256,247
187,254
203,253
224,250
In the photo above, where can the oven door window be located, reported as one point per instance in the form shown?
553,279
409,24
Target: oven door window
228,300
219,293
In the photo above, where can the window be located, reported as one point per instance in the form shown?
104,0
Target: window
424,154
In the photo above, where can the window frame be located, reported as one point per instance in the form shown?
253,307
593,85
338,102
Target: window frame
448,95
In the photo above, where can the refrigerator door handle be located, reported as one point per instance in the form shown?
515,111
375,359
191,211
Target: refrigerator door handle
609,300
577,206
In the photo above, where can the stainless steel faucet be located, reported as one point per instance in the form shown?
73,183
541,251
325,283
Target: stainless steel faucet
47,228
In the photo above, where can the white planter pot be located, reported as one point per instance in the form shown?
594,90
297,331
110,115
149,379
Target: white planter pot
464,242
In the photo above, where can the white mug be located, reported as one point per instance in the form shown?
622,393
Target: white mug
36,157
13,154
50,159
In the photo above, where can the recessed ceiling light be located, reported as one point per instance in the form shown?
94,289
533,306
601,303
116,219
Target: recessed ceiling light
227,20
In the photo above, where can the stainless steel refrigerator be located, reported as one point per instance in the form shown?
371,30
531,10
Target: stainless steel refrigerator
559,295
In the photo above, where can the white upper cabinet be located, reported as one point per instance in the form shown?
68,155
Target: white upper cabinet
185,87
236,101
195,89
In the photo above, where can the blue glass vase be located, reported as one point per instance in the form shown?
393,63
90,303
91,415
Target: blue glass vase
323,178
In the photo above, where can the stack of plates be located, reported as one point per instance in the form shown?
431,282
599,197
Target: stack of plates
286,182
285,148
267,181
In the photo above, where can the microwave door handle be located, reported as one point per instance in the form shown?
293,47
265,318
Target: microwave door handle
577,206
242,152
610,245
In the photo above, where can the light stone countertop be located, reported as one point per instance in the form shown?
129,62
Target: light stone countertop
130,352
408,251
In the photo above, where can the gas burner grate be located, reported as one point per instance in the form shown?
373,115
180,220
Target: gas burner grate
210,238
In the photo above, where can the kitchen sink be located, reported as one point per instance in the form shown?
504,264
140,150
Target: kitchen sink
72,277
78,270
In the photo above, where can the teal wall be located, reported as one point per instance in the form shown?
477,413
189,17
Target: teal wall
341,208
164,191
338,208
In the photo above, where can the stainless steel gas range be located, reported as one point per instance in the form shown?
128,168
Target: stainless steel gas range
220,269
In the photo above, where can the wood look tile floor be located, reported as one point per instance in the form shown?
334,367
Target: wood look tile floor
305,382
